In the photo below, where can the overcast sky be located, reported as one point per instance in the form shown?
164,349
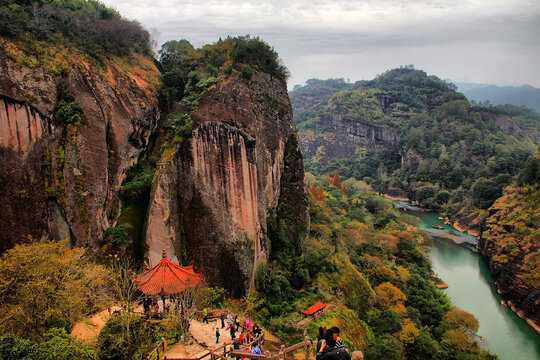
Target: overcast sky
482,41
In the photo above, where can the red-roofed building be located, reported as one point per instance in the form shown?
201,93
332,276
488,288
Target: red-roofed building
167,278
312,310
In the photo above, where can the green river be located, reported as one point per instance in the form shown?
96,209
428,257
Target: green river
472,288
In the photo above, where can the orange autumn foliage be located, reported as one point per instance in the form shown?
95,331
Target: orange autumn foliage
345,191
336,182
390,297
321,195
314,192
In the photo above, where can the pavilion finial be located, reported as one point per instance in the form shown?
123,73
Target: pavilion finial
163,254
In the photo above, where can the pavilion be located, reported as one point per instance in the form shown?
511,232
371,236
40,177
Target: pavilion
167,278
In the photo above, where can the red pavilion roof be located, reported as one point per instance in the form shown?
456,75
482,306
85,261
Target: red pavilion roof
167,278
314,308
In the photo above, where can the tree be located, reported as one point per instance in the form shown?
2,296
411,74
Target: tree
386,348
485,192
45,285
390,297
114,343
59,344
15,348
124,292
461,320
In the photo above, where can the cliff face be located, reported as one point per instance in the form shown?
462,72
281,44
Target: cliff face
510,244
231,177
61,180
509,126
343,138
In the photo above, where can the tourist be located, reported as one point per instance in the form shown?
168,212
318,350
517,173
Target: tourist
233,331
205,316
320,337
146,305
331,352
256,350
236,321
229,321
257,330
337,337
222,317
247,324
236,345
217,335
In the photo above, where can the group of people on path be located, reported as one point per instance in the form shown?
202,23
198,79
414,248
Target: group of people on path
233,326
330,346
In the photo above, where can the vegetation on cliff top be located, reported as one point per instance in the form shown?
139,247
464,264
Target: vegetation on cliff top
89,26
513,227
452,155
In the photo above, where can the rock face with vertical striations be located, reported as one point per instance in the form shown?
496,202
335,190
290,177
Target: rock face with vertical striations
343,138
62,180
231,176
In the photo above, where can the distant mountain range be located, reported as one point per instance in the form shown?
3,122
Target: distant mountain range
517,95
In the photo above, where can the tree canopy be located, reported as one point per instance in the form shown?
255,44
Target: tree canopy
88,25
44,285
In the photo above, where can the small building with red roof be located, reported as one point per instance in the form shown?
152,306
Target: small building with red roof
314,309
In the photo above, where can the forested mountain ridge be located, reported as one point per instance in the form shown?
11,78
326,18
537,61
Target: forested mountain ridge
524,95
414,135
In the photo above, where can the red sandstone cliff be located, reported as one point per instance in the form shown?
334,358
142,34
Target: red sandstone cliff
510,244
58,181
242,165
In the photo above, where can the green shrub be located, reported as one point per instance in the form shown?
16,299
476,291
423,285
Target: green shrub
119,338
247,73
58,344
117,236
15,348
88,25
68,111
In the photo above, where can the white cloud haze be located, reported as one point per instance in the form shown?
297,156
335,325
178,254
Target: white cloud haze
484,41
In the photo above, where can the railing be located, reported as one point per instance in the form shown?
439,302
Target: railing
282,352
155,354
217,354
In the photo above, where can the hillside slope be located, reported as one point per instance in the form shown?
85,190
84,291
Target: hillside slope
511,242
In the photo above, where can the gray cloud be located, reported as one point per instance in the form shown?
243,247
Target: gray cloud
482,41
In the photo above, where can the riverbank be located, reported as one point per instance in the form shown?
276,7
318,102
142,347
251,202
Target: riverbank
473,289
466,231
523,316
405,204
457,235
397,198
